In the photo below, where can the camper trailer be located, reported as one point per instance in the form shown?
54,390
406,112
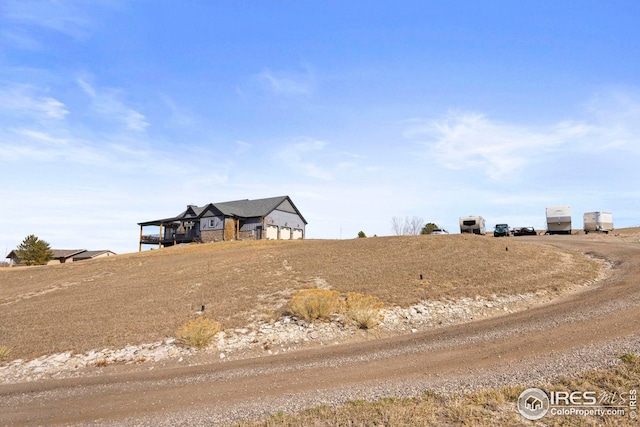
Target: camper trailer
598,221
472,224
559,220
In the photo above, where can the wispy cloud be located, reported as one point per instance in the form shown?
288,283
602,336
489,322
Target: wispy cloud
242,147
107,104
180,116
75,19
29,100
20,39
472,141
615,114
16,150
135,120
323,161
87,88
298,156
28,145
289,84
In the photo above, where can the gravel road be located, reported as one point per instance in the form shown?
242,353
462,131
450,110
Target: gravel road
584,330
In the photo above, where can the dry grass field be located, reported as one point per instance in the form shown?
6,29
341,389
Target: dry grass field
627,231
143,297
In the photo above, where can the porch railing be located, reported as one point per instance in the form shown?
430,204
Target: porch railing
186,237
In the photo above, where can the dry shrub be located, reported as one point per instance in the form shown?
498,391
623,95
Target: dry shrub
511,393
630,358
364,310
198,333
488,399
469,415
4,352
312,304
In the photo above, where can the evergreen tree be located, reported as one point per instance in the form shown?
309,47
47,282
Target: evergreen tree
428,228
33,251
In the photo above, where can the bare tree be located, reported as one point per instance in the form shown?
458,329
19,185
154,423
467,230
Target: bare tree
397,225
406,226
414,225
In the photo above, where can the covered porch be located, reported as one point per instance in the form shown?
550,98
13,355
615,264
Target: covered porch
170,231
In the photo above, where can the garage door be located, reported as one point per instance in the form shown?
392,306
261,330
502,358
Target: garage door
285,233
272,232
297,234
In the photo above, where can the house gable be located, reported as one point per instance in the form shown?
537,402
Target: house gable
286,206
191,211
210,210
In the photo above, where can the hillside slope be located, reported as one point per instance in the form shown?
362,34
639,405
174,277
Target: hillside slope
143,297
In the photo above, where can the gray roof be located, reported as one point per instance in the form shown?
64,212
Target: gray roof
66,253
238,208
91,254
250,208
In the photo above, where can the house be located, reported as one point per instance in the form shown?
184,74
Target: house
84,255
63,256
270,218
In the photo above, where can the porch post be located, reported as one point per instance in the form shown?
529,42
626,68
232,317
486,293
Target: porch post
140,241
160,237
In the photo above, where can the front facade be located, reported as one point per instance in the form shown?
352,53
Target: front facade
274,218
559,220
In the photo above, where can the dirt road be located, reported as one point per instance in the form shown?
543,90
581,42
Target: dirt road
581,331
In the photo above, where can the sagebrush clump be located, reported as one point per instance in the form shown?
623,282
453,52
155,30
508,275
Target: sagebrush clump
364,310
320,304
315,304
198,333
4,352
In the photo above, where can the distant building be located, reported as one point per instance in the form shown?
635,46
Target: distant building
63,256
274,218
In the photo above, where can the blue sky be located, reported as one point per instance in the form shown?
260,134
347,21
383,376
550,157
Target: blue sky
115,112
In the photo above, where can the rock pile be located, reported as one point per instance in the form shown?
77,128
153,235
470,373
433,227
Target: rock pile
67,364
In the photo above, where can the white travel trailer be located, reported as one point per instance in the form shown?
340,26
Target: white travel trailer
472,224
559,220
598,221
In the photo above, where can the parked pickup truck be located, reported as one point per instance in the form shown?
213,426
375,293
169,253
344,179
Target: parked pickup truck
524,231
